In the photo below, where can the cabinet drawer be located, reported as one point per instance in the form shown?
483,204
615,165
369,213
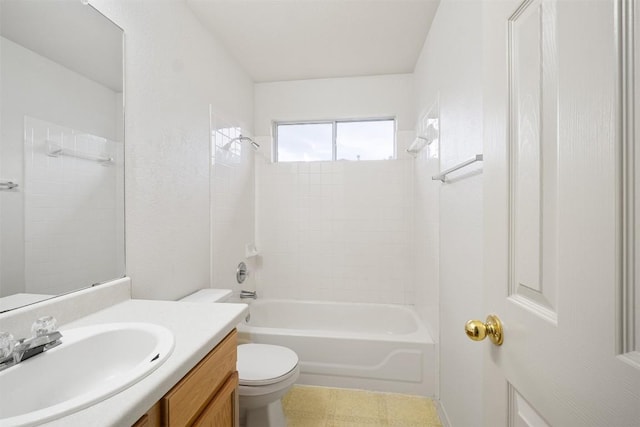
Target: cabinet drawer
187,399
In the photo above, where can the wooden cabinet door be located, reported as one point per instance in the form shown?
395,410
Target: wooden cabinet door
213,380
183,404
222,410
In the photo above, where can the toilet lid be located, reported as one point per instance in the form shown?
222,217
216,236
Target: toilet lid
262,364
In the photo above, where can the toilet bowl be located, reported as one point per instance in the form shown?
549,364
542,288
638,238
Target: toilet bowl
266,372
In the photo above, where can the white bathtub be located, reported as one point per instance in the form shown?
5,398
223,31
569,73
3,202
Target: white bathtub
379,347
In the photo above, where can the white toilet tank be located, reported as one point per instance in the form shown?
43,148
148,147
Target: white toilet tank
208,296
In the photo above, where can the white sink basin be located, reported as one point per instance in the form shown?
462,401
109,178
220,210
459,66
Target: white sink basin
92,364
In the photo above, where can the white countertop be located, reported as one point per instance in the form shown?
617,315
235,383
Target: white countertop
197,329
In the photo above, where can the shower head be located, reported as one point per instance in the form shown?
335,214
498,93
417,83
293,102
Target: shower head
241,138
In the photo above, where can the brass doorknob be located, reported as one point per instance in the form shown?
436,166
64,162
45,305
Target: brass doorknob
477,330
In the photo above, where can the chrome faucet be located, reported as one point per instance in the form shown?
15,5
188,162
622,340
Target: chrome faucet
45,337
248,294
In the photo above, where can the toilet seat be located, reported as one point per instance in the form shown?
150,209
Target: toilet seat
265,364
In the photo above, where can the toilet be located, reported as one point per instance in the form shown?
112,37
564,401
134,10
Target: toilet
266,372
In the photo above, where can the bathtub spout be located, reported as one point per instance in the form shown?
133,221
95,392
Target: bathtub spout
248,294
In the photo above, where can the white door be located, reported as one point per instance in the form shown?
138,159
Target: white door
553,141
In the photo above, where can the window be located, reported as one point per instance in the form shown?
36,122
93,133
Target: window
335,140
304,142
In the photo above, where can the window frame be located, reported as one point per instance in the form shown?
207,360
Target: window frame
334,133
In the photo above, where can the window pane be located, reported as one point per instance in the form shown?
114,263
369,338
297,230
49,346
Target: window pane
365,140
305,142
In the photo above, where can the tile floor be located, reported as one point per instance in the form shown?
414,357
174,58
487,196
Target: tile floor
307,406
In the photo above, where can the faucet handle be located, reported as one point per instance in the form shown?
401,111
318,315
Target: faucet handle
6,345
43,326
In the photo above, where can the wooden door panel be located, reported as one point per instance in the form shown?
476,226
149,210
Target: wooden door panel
521,413
532,145
630,288
552,173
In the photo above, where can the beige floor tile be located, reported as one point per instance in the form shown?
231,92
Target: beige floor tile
305,422
358,403
307,406
411,410
303,419
312,400
352,423
400,423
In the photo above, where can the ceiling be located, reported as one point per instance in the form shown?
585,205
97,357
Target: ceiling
277,40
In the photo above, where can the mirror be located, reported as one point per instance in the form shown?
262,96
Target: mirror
61,150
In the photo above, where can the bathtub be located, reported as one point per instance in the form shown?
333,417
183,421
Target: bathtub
380,347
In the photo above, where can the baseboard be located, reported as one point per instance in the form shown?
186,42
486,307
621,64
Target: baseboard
442,413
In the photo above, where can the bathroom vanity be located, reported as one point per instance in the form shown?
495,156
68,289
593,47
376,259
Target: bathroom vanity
206,396
195,385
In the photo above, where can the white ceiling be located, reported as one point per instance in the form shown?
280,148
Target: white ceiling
276,40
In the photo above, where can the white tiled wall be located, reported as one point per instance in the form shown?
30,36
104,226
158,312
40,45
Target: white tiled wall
339,231
73,223
175,70
232,204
